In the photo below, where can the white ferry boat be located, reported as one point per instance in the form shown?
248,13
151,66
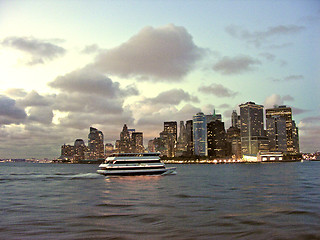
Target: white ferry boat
119,164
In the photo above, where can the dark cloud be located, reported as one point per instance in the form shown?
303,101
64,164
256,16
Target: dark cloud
10,112
40,50
235,65
34,99
217,90
77,102
41,114
160,54
258,38
88,81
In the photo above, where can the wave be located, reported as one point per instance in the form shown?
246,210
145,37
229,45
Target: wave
40,176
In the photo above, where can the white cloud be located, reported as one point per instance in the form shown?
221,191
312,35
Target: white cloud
159,54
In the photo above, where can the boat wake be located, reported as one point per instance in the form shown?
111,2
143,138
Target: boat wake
44,177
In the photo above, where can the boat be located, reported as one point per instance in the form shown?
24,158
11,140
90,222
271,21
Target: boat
121,164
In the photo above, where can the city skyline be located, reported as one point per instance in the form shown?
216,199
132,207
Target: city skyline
67,66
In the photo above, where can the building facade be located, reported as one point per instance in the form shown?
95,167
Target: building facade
216,137
95,144
200,143
252,132
281,115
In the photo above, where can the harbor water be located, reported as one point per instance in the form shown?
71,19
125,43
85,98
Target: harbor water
226,201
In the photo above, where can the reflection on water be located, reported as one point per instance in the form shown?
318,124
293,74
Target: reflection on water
241,201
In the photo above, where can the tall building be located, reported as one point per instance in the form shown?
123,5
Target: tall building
276,133
189,137
67,152
137,142
151,146
235,119
216,136
281,114
95,143
182,140
169,136
200,144
252,132
79,150
234,141
125,144
295,137
213,117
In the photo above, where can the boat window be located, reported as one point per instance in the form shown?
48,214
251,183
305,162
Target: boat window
138,161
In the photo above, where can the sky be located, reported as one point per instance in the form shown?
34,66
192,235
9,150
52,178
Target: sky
68,65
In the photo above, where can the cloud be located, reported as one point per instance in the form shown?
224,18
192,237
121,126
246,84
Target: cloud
40,50
217,90
94,48
289,78
276,99
16,92
235,65
41,114
158,54
309,134
34,99
88,81
171,97
224,105
287,98
9,112
259,38
297,111
152,123
77,102
268,56
294,78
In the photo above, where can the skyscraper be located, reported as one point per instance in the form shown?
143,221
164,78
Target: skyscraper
189,137
200,144
216,135
235,119
95,143
79,150
276,132
285,113
252,134
182,140
234,141
295,137
125,140
137,142
169,136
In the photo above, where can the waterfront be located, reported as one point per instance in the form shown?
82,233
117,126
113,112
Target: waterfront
226,201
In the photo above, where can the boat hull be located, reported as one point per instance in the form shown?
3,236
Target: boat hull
162,171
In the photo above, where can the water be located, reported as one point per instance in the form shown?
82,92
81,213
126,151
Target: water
233,201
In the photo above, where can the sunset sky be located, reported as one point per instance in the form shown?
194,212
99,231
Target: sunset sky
69,65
